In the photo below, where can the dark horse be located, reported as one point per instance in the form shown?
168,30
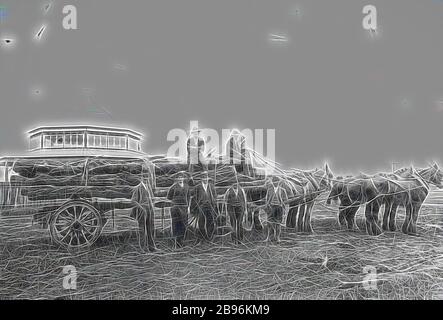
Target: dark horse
410,189
354,192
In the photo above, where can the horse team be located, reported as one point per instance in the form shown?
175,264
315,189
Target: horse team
406,187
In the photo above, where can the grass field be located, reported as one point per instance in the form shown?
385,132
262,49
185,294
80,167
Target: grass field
329,264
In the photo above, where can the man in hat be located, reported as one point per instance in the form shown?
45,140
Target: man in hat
236,151
205,207
235,199
195,147
276,203
143,211
178,194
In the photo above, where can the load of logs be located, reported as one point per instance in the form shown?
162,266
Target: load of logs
91,177
37,180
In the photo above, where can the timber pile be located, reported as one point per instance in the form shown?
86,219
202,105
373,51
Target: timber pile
50,179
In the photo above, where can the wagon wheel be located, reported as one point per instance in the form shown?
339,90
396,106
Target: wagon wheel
76,224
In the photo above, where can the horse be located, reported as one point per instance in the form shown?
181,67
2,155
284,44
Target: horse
315,182
348,205
353,192
412,189
302,188
299,188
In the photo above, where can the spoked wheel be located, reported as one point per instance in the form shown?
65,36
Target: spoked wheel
76,224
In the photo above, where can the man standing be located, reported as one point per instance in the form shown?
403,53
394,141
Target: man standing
195,146
143,212
205,207
276,198
236,151
235,200
178,194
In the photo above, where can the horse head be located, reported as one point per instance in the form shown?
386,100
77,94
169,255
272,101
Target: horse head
326,180
336,190
435,175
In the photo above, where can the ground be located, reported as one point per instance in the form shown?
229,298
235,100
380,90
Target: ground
329,264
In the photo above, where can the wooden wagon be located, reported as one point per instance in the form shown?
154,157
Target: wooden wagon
74,176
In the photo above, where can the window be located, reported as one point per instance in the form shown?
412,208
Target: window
73,140
77,139
103,141
53,140
80,142
133,144
34,142
97,140
116,142
46,141
59,140
111,142
122,142
68,140
90,140
2,173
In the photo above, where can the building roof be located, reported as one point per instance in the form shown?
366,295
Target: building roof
94,128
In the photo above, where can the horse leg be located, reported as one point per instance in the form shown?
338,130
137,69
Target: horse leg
371,215
237,228
414,218
233,221
307,220
296,211
257,223
236,233
350,217
368,219
392,214
376,230
289,218
278,231
405,227
269,227
301,215
342,215
249,217
274,231
290,223
240,231
386,213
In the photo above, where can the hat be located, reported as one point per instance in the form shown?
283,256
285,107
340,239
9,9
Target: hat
195,130
205,173
181,174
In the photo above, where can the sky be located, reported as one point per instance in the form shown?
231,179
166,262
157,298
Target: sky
331,90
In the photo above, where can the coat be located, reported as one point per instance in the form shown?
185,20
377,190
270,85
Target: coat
179,195
202,198
236,200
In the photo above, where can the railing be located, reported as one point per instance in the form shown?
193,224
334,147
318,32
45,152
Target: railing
10,196
12,202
